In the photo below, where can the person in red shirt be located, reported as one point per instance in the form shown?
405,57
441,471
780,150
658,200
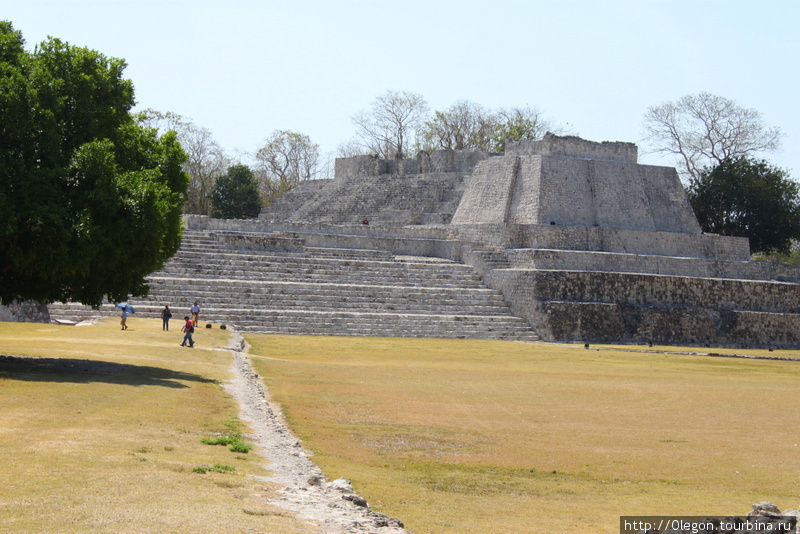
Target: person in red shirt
188,330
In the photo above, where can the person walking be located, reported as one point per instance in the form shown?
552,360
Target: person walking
124,319
195,313
166,315
188,330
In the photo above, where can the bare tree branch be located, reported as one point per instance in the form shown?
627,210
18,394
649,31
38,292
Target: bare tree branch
705,130
389,128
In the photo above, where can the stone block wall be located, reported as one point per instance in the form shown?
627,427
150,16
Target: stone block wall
268,241
639,289
574,147
612,194
489,193
284,207
597,239
462,161
579,260
614,323
390,199
572,191
604,307
24,312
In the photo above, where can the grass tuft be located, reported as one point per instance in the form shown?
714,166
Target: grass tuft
216,468
233,442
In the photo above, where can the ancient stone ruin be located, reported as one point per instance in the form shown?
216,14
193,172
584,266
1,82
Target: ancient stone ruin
579,240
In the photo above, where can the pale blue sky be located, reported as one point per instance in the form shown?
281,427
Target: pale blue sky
246,68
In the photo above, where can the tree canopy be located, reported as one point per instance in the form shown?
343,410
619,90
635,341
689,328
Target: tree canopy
287,159
745,198
235,194
90,199
521,123
463,125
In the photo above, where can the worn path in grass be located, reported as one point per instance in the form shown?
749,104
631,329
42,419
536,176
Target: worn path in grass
333,505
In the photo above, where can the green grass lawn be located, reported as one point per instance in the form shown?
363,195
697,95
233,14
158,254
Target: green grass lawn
101,432
457,436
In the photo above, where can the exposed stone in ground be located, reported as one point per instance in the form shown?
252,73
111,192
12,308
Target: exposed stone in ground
333,507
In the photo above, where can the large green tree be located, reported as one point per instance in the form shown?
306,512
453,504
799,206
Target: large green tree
90,199
235,194
741,197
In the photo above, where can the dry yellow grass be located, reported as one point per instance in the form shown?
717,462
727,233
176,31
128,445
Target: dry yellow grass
484,437
102,436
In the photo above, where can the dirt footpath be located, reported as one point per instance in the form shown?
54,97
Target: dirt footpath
333,507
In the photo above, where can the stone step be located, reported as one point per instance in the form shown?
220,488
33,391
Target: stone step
322,288
345,323
320,256
367,278
326,296
317,305
283,265
327,290
413,274
328,301
315,259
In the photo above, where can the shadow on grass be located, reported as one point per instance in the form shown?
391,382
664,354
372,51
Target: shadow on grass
87,371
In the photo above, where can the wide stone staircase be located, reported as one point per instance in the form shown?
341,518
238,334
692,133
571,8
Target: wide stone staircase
298,289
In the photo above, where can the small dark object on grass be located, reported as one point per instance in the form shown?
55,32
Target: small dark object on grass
208,325
223,327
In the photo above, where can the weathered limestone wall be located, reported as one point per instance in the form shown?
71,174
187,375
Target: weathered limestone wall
489,193
24,312
597,185
283,208
413,241
638,289
438,161
598,239
593,322
579,260
611,194
266,241
595,307
388,199
575,147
